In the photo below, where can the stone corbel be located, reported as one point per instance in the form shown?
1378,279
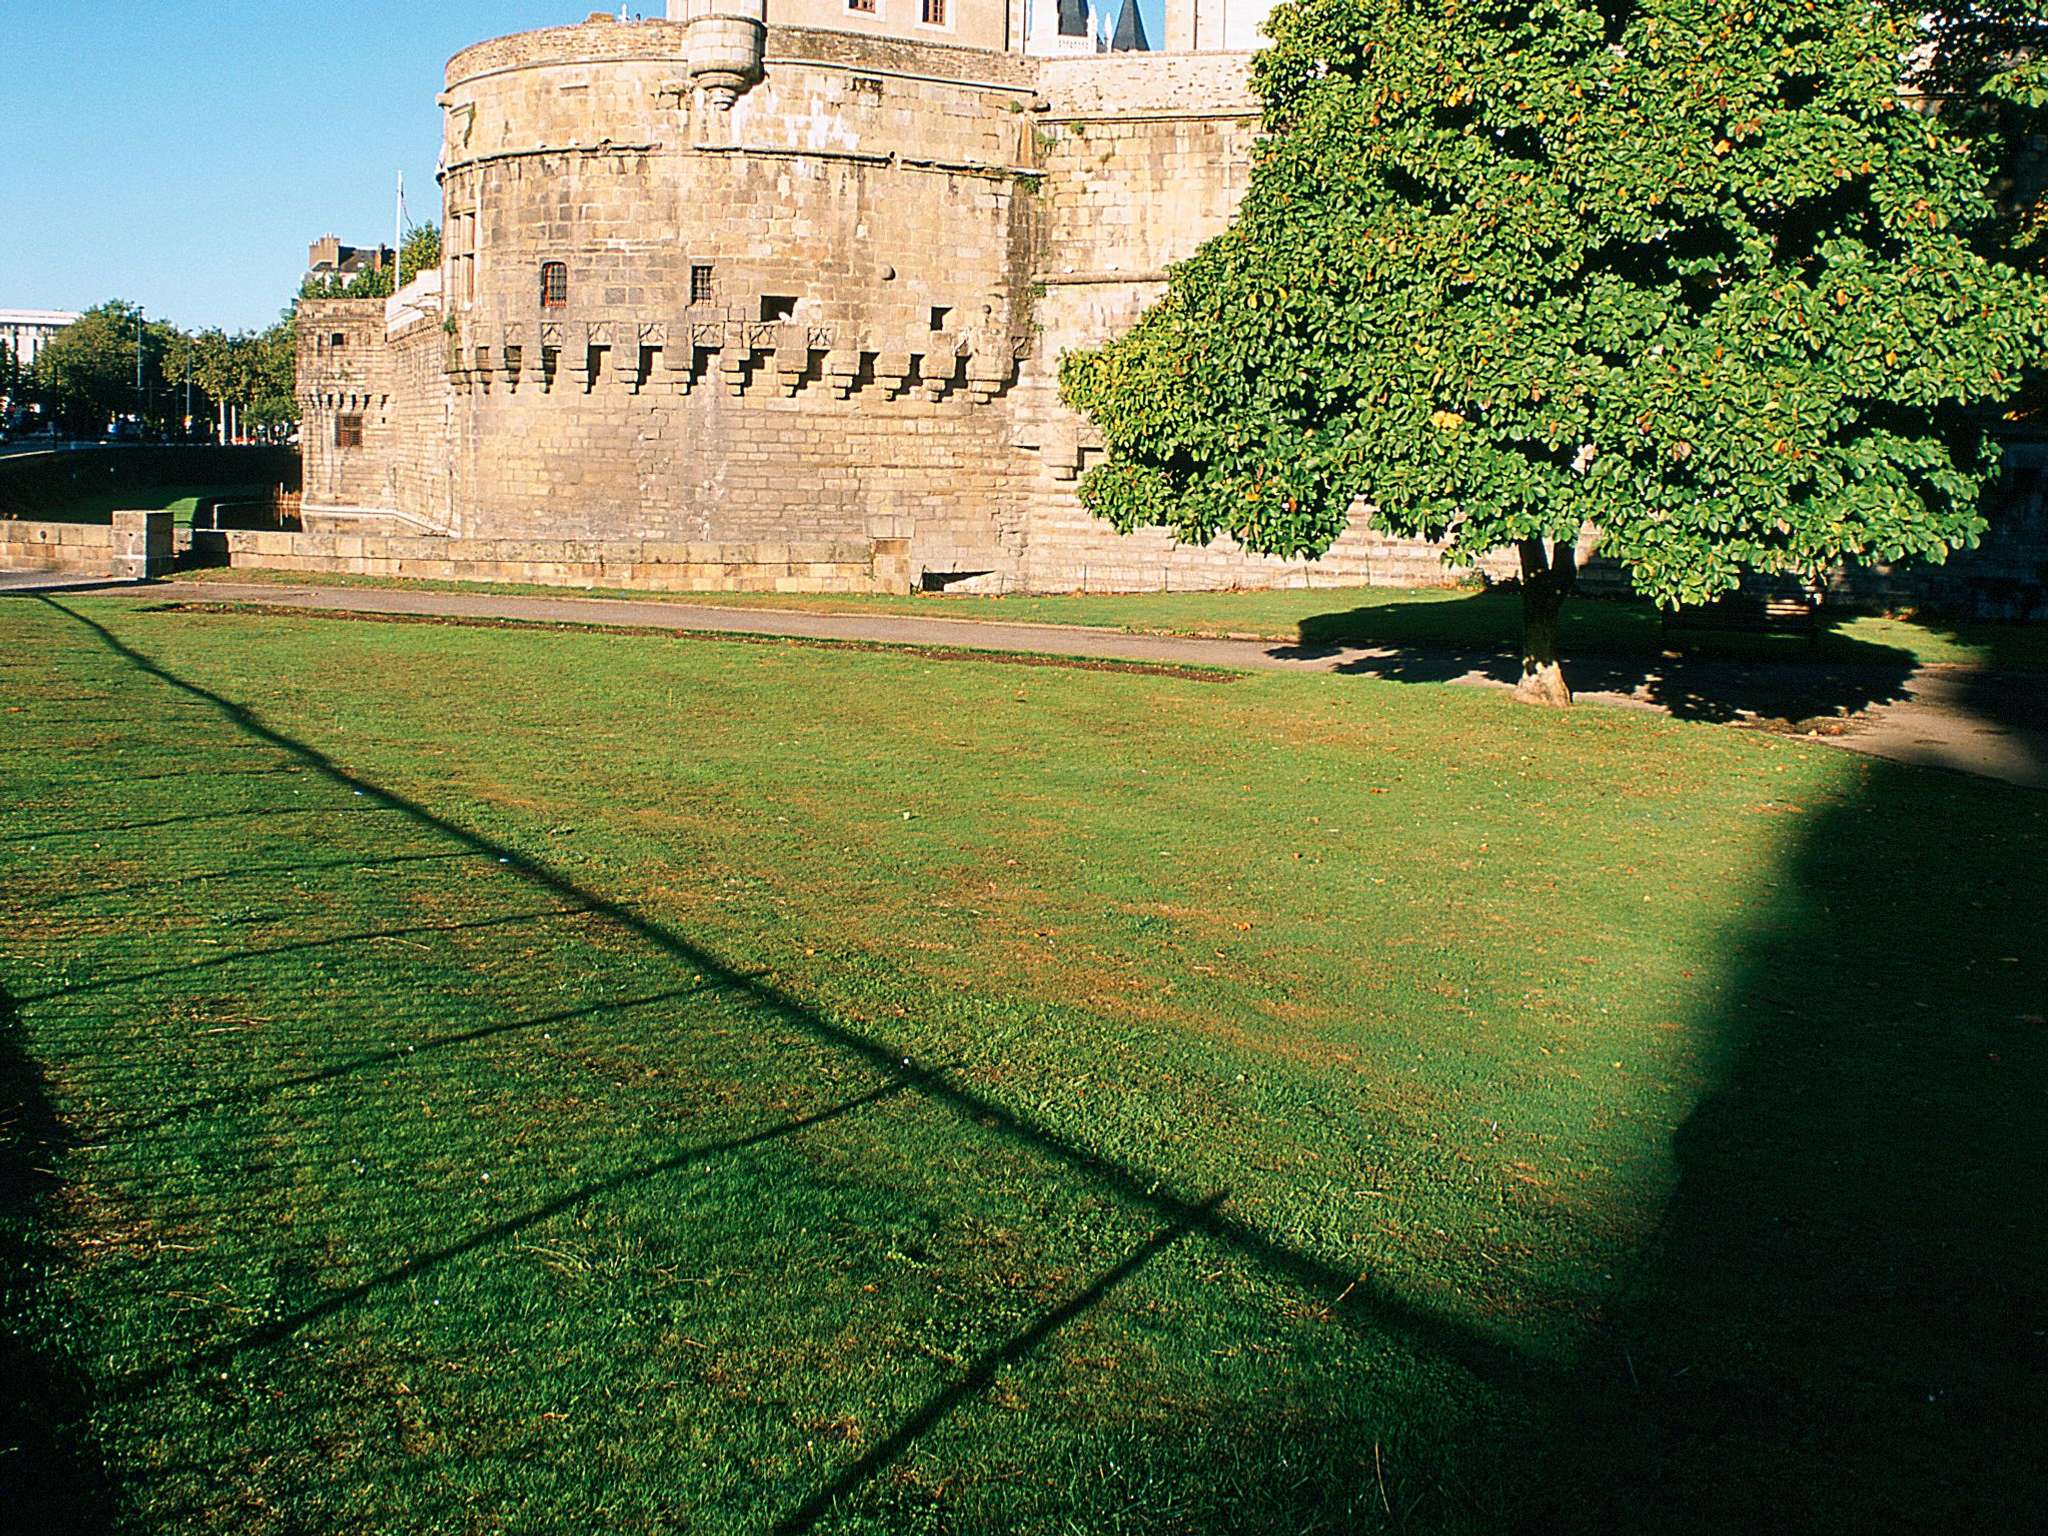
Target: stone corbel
892,372
1063,452
581,360
732,363
989,374
792,356
842,372
679,362
941,367
512,355
549,362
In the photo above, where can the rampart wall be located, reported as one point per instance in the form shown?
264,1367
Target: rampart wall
830,316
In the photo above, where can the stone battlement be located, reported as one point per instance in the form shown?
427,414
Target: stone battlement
758,276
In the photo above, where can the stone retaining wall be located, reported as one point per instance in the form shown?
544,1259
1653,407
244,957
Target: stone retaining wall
881,565
71,548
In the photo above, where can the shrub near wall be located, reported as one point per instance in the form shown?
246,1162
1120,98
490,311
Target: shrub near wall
85,486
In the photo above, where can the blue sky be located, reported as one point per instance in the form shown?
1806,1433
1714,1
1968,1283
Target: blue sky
183,154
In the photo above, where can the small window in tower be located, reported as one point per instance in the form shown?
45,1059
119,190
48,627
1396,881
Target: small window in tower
940,317
348,431
700,284
775,306
338,340
554,285
932,12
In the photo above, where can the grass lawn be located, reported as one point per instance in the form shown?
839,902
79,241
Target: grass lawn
1453,618
469,1080
182,500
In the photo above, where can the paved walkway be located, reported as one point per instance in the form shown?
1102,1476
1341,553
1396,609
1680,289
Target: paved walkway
1989,724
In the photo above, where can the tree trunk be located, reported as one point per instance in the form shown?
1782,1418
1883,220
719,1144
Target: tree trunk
1548,574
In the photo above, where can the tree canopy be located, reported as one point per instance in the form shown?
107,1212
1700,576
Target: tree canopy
1688,271
88,371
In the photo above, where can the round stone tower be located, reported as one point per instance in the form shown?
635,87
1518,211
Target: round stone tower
693,300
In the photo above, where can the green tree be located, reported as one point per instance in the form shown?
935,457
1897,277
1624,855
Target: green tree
254,371
89,370
420,252
1685,272
271,358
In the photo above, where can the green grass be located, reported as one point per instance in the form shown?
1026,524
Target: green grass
182,500
492,1080
1441,618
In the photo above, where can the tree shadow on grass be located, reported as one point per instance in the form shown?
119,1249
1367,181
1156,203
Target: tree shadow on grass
1619,648
1842,1322
51,1481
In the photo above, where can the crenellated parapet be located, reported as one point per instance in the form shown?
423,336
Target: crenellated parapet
575,357
768,274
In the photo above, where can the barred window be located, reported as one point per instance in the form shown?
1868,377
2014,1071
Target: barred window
933,12
348,431
554,285
700,285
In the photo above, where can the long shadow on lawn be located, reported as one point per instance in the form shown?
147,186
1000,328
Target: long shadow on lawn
1617,648
371,1060
340,1301
1357,1302
51,1481
1841,1322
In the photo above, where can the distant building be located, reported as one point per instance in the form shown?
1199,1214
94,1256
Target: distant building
328,257
25,332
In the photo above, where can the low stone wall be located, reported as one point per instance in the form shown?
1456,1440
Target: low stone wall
881,565
71,548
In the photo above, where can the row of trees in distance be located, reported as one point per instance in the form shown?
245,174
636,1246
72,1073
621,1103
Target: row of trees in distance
117,365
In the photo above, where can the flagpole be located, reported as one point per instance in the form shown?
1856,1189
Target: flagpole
398,236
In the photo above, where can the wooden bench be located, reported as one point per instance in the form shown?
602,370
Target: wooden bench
1751,613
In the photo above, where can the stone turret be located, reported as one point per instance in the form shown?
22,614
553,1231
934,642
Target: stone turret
725,43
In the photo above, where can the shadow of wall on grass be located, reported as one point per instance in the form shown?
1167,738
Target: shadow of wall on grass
1357,1305
1839,1322
51,1480
1842,1322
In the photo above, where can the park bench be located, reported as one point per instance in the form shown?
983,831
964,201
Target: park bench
1779,611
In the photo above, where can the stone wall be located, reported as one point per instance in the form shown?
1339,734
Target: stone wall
1145,159
66,548
861,220
821,566
832,315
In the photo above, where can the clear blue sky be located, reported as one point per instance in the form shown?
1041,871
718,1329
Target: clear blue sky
183,153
